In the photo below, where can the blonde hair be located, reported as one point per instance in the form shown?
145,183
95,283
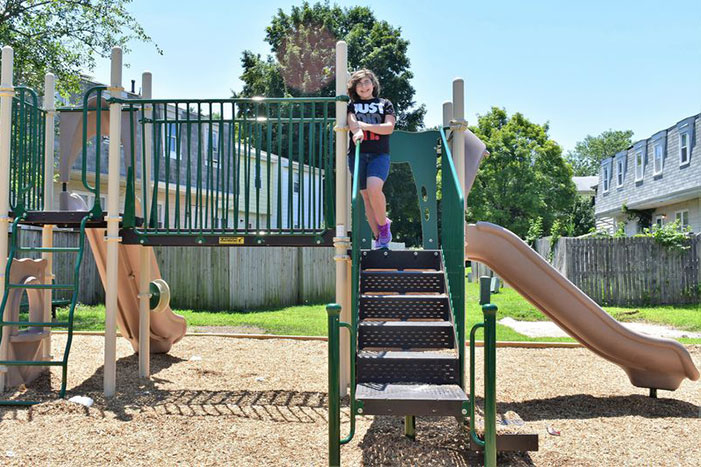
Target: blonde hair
357,77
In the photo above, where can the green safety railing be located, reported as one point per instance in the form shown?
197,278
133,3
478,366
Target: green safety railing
27,139
94,189
242,166
489,443
453,245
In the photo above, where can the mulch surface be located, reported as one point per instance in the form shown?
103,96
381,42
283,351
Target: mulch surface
219,401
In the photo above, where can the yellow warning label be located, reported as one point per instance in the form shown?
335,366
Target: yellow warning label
231,240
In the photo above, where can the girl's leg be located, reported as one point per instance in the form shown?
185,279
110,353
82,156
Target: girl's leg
370,213
377,200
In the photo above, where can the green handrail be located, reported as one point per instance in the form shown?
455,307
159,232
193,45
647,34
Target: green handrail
96,209
453,246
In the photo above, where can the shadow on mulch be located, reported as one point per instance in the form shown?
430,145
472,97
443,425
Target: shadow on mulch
585,406
135,395
439,441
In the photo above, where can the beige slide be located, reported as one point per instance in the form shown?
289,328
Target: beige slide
167,328
650,362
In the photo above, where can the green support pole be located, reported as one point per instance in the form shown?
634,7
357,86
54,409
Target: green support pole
490,390
410,427
334,311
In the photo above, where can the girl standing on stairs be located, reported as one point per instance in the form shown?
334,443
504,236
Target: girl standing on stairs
371,120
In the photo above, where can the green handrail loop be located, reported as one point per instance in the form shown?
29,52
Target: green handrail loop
95,190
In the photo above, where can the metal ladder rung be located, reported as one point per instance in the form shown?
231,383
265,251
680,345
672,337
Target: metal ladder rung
37,324
50,249
42,286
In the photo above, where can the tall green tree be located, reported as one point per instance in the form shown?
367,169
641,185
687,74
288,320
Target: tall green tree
302,63
524,178
587,154
64,37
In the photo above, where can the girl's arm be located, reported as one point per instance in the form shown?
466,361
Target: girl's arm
379,128
355,128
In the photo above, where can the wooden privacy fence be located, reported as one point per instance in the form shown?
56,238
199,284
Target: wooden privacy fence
211,278
626,271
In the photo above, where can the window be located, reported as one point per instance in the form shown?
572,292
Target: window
659,220
171,139
607,176
639,165
683,148
659,159
160,215
212,131
683,218
620,167
295,187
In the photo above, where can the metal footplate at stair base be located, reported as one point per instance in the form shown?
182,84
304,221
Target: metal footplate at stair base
411,399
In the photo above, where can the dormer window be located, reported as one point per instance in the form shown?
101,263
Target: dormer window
639,166
606,175
683,148
659,158
620,171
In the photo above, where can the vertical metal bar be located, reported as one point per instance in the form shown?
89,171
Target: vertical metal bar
269,161
247,168
237,171
258,138
178,136
188,172
300,169
490,393
311,215
220,167
147,145
279,167
334,311
290,165
198,197
410,426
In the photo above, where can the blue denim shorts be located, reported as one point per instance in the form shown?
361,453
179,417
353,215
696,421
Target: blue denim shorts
371,165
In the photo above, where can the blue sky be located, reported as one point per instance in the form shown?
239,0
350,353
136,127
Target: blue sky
584,67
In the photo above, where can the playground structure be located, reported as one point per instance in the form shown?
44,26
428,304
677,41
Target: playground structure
217,167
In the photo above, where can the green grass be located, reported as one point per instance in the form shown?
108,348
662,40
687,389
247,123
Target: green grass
310,320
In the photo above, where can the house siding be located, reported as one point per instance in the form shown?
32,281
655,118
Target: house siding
673,185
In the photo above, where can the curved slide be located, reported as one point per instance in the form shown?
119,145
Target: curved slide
167,328
650,362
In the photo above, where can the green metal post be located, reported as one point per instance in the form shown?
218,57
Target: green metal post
410,427
334,311
490,391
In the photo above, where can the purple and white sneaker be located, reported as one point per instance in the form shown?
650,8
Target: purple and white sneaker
385,237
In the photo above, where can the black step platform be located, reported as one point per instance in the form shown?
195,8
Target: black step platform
407,367
411,399
406,335
402,282
63,219
405,307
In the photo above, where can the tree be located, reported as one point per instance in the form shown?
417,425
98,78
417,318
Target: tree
583,220
303,43
588,154
64,37
524,178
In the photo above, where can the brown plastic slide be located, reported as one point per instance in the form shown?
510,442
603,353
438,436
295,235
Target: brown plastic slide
650,362
167,328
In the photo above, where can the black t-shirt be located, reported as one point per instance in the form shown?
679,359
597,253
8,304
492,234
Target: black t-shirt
371,111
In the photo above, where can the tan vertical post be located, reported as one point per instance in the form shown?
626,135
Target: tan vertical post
7,91
341,240
113,219
447,115
47,234
459,126
144,257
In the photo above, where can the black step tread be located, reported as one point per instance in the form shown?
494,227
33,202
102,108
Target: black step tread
405,307
411,399
407,354
402,281
408,367
406,334
400,259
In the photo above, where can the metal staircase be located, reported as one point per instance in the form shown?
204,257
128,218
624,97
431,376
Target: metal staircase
36,219
407,359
